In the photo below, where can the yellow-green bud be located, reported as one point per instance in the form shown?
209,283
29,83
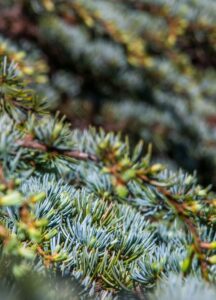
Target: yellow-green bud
38,197
122,191
26,252
13,198
34,234
185,265
57,129
129,174
156,168
212,259
50,234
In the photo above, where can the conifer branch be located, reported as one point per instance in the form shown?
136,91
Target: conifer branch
30,143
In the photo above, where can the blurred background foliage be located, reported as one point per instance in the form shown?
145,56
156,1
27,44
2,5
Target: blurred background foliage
144,67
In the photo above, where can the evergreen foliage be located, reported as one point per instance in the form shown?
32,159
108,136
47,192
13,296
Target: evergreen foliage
84,214
147,66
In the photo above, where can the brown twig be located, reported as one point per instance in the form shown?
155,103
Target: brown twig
29,142
8,184
189,223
